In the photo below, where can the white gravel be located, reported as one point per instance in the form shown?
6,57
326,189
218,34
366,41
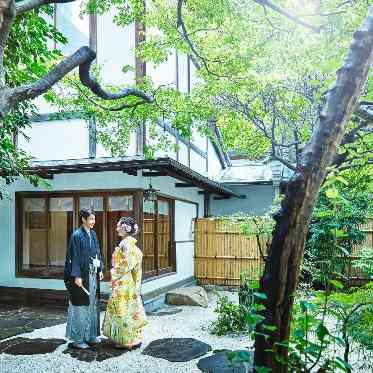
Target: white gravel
192,322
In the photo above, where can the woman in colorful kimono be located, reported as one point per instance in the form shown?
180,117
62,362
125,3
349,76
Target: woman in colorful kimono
125,315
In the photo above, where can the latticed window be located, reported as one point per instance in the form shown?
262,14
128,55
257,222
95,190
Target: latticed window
45,222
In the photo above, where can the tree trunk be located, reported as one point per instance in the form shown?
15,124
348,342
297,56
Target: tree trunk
280,278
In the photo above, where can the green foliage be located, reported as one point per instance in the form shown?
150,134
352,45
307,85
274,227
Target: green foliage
238,83
353,311
30,50
231,318
326,328
238,43
244,316
27,57
365,261
335,228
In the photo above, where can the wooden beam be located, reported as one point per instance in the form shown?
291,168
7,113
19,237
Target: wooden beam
154,174
46,176
206,205
131,172
241,196
185,185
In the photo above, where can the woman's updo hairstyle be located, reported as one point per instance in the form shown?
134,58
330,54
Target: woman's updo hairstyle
129,225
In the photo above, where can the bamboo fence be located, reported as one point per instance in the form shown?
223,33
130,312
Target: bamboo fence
222,253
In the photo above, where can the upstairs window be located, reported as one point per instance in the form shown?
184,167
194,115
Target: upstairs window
74,25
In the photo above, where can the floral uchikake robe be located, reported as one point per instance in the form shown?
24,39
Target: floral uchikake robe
125,315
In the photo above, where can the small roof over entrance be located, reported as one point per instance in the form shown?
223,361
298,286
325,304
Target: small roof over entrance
130,165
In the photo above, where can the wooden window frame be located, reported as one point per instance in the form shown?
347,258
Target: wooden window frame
58,273
160,272
137,194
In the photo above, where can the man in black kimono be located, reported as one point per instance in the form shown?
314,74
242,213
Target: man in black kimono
83,271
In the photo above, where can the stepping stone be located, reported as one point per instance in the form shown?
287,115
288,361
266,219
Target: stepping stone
220,362
189,296
103,351
177,349
30,346
15,321
164,311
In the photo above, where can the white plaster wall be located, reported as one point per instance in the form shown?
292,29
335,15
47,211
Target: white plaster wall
183,154
115,49
164,73
56,140
215,166
185,212
104,181
194,79
199,140
73,25
43,106
183,73
197,163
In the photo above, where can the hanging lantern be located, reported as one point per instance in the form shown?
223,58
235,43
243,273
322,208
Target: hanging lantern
150,194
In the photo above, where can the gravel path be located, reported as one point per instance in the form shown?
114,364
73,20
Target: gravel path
192,322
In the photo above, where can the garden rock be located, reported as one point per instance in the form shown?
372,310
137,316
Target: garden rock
189,296
165,311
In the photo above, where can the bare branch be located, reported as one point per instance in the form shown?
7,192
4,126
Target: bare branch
297,20
83,58
26,5
91,83
195,56
39,87
108,108
284,162
183,31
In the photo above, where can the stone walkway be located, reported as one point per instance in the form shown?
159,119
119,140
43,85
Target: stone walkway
191,323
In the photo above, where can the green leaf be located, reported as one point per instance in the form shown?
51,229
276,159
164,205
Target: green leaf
332,193
271,328
260,295
282,344
342,180
262,369
336,284
306,306
239,356
342,363
127,68
321,332
266,336
324,214
299,333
